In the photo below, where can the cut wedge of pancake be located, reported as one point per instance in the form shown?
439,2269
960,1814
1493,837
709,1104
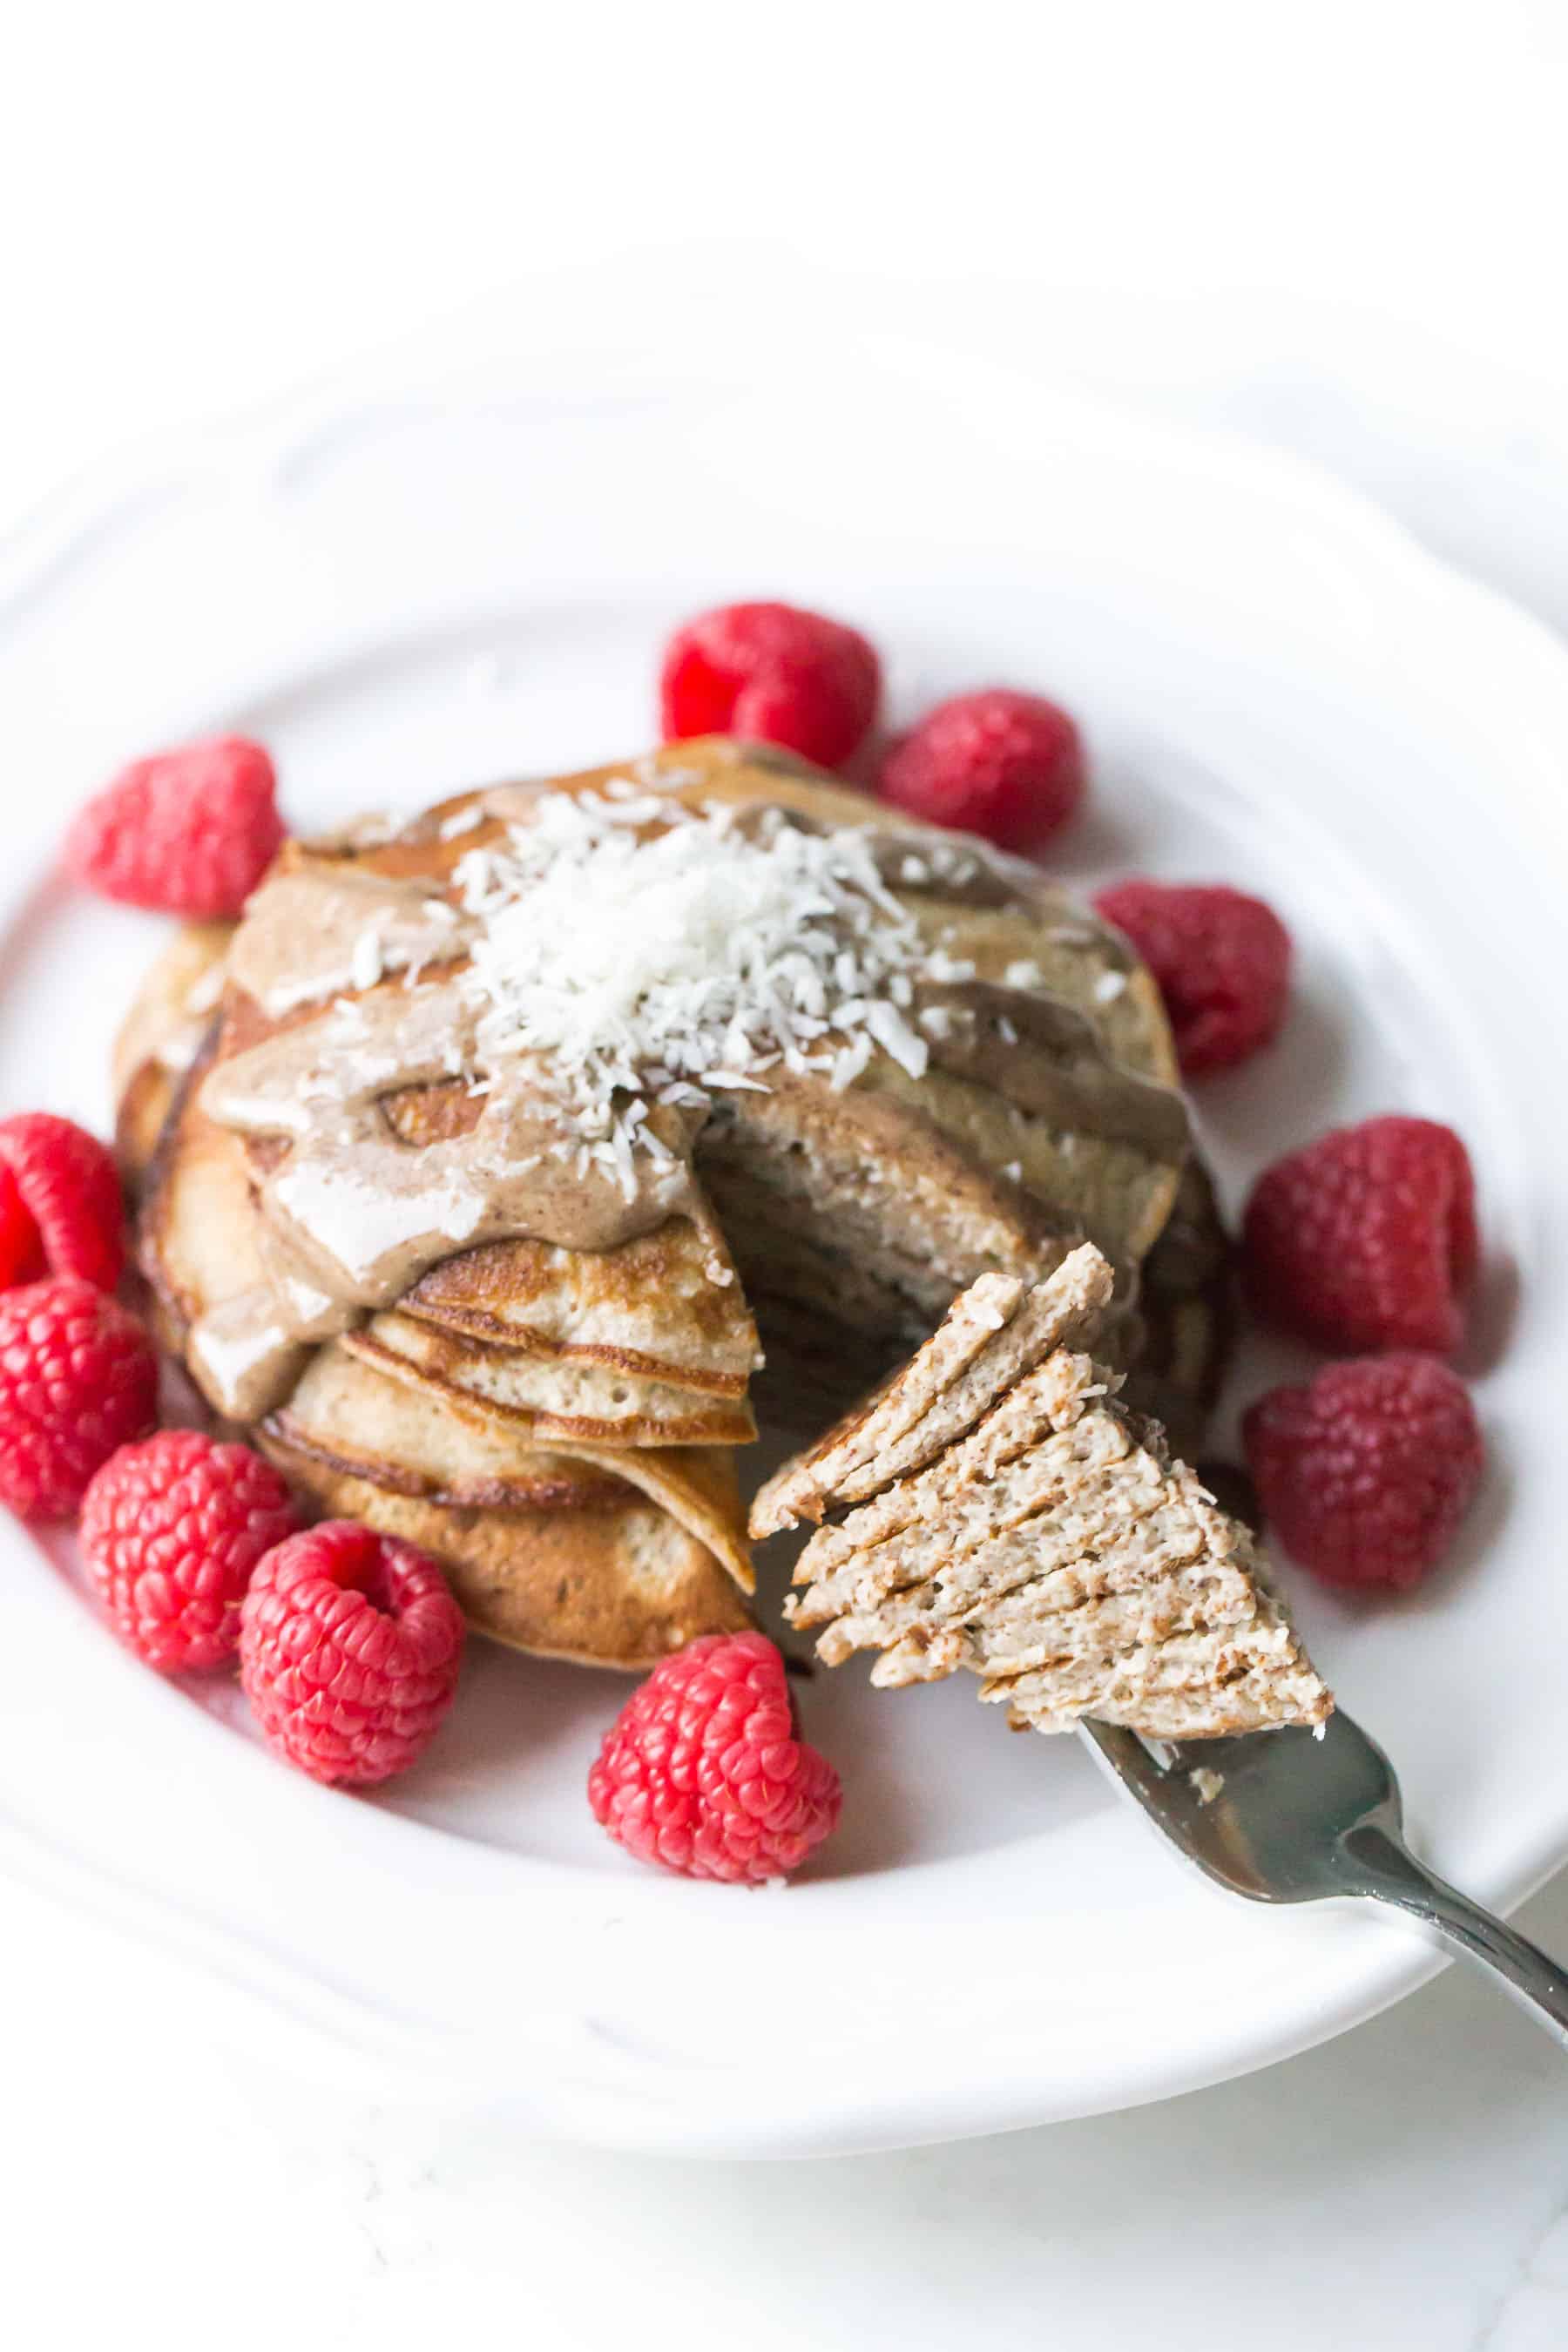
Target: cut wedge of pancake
1008,1516
998,1330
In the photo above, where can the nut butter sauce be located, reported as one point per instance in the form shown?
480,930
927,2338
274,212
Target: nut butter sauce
352,1216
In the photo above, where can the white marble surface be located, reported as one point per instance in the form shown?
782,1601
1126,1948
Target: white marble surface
1346,244
1406,2185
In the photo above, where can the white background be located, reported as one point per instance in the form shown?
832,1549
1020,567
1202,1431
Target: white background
1338,227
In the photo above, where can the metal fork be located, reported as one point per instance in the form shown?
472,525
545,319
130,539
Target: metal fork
1299,1819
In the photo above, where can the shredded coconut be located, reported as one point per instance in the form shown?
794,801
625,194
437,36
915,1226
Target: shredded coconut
365,967
676,962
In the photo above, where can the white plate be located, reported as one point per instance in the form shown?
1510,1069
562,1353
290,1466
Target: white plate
408,594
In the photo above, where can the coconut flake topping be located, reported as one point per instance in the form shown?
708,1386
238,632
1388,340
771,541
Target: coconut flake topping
650,951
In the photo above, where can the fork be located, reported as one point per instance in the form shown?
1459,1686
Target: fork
1287,1817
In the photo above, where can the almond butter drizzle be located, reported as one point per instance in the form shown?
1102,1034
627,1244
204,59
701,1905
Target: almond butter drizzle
352,1216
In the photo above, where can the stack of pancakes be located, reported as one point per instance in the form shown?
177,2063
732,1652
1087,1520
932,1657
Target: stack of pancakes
558,1424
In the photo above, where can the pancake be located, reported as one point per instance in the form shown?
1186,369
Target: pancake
874,1206
160,1038
618,1583
525,1330
917,1183
994,1334
550,1397
1015,1520
393,1257
609,1558
649,1307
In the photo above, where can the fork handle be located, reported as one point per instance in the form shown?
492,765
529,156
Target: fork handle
1378,1865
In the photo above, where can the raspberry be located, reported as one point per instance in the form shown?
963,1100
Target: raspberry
189,831
1007,766
21,1250
1366,1239
67,1189
1367,1474
702,1770
77,1378
774,673
1222,961
348,1649
171,1530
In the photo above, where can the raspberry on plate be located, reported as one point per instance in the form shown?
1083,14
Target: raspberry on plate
1004,765
21,1248
1222,961
773,672
703,1771
1366,1473
1366,1239
187,831
350,1644
66,1190
171,1530
77,1378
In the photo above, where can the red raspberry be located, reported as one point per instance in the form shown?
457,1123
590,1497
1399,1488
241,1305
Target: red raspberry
1007,766
21,1250
189,831
1367,1474
702,1770
1366,1238
171,1530
1222,961
68,1188
77,1378
348,1649
774,673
